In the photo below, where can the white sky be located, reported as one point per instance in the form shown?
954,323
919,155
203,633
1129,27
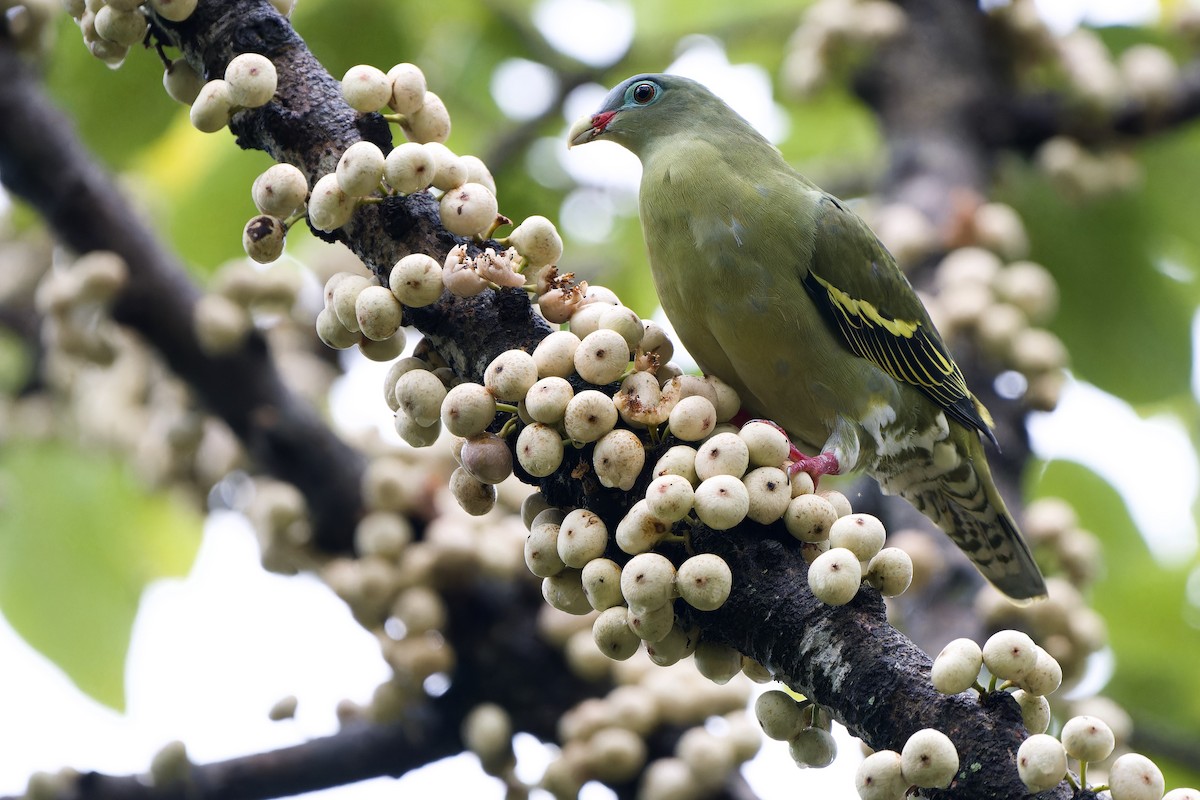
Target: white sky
213,652
1066,15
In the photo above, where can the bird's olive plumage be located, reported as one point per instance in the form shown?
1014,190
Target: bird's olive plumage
781,291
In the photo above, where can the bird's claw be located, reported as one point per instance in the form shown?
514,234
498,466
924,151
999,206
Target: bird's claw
815,466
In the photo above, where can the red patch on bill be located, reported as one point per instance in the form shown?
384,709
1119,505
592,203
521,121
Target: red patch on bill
600,121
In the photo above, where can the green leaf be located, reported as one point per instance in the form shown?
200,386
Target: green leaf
663,19
116,111
79,541
1167,198
834,135
16,363
200,203
1125,319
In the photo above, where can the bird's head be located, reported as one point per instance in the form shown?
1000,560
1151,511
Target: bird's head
640,109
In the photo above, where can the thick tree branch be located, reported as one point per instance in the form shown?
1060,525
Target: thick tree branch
308,124
500,657
932,87
43,162
849,659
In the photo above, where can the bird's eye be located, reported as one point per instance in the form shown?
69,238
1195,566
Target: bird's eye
644,92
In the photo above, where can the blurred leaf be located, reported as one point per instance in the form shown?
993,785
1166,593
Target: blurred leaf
831,133
79,541
116,112
380,37
622,265
1118,38
1168,196
190,184
453,42
1125,319
676,18
16,362
199,202
1144,604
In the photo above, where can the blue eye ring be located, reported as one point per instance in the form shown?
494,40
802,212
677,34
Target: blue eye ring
643,93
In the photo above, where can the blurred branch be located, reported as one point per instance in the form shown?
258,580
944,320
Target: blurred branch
43,162
515,141
570,73
356,753
1154,737
948,107
1035,118
932,88
755,27
501,659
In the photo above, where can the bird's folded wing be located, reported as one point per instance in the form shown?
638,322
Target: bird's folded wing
872,308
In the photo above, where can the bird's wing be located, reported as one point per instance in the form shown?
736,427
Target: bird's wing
869,304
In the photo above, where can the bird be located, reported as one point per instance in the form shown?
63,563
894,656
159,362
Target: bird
782,291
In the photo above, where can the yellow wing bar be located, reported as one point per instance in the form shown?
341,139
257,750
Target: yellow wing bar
902,348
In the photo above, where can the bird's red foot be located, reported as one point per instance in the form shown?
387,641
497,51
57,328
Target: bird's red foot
815,466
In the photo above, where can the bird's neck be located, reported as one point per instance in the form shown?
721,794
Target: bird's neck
738,147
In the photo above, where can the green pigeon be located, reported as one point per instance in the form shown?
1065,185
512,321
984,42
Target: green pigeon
780,290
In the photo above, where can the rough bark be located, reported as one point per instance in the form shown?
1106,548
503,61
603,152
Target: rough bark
871,677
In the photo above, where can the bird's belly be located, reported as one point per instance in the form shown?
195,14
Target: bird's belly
786,365
745,317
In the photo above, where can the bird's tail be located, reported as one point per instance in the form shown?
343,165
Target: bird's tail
955,489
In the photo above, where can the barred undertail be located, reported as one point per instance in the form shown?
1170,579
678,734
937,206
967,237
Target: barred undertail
964,502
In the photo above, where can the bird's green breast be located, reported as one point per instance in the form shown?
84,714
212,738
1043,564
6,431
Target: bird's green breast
729,246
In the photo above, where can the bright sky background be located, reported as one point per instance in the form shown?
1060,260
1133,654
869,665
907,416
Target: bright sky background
213,652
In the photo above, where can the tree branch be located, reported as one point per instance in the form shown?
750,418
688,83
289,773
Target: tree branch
44,163
931,87
308,124
501,659
851,660
1036,118
359,752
